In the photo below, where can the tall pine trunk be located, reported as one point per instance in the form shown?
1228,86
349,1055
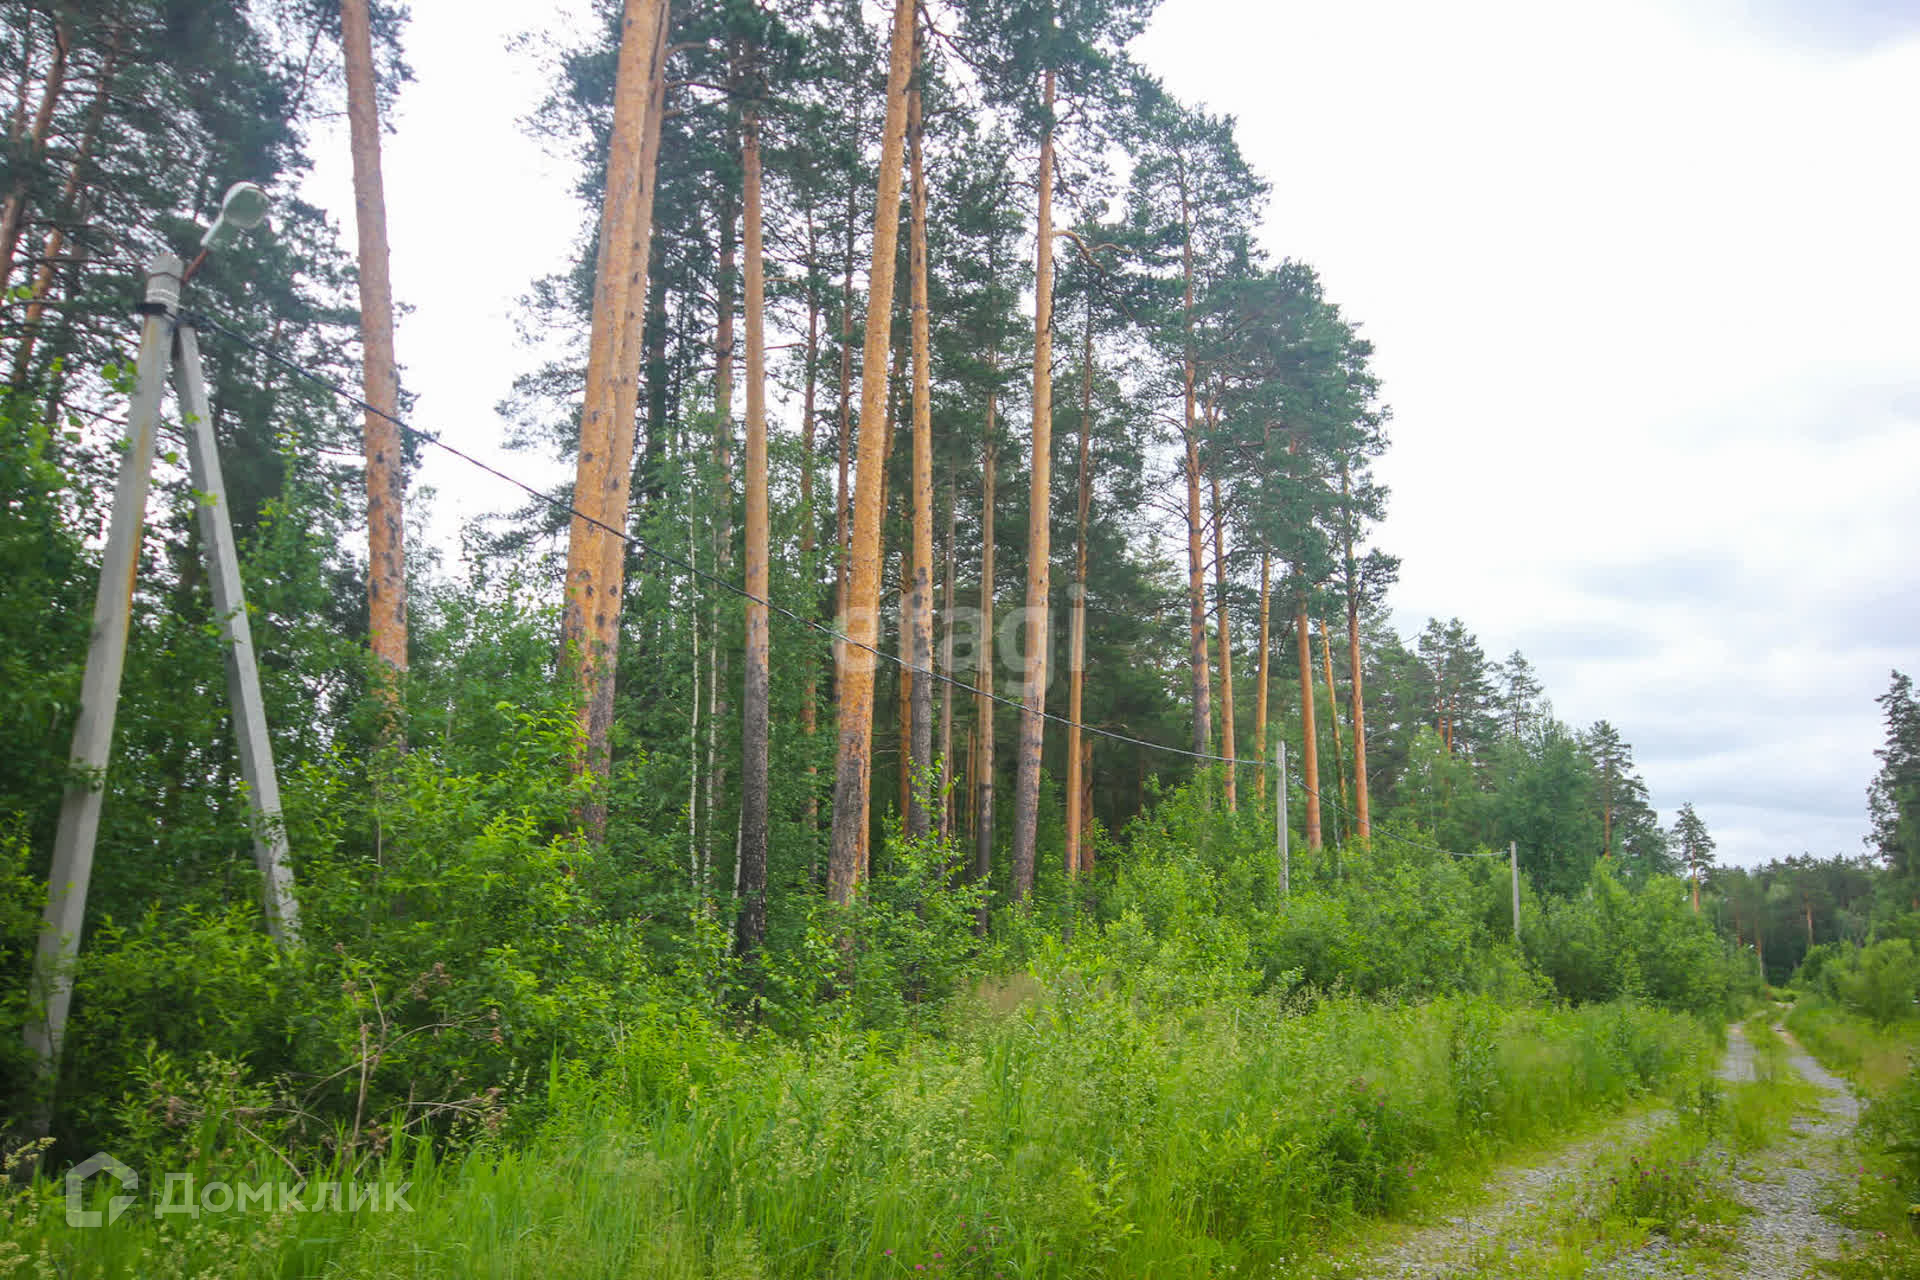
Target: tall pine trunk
1262,681
1026,789
751,924
983,767
1309,740
853,754
72,208
725,347
1333,715
1077,629
590,622
902,637
1223,627
33,146
386,518
842,509
919,582
946,665
810,690
1196,533
1363,822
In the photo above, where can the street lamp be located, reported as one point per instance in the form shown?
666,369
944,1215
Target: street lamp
243,208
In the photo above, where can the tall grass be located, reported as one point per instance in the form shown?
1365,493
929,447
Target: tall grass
1079,1135
1874,1057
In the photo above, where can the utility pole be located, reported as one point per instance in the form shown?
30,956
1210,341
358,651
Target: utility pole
73,840
1513,864
243,670
165,340
1280,827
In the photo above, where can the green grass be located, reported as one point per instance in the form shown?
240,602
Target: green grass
1076,1136
1878,1201
1672,1187
1874,1058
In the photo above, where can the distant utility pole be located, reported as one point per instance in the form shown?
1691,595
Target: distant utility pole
1513,865
1280,827
166,341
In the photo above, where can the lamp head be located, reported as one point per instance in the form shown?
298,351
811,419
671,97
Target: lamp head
243,208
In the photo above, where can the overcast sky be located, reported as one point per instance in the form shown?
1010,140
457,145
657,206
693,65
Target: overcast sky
1642,279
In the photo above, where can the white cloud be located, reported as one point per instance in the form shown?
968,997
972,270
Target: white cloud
1642,284
1641,278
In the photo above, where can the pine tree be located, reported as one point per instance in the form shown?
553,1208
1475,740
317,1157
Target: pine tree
1893,798
919,585
1518,697
1191,202
853,755
1695,849
595,555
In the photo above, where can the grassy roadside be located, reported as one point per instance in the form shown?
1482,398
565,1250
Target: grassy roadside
1078,1136
1874,1058
1880,1204
1666,1189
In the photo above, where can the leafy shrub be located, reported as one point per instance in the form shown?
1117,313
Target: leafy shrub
1645,942
1893,1121
1368,1147
1880,984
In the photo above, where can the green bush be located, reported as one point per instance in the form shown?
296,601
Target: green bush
1880,984
1616,941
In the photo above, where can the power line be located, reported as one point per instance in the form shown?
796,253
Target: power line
561,505
201,318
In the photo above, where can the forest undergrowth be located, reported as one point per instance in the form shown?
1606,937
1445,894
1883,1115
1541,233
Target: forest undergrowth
1082,1133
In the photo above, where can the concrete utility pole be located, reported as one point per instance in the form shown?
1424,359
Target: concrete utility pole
100,688
164,340
1513,864
1280,831
243,671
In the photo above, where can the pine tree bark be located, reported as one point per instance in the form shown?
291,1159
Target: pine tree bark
1333,715
590,622
386,518
1264,674
725,341
946,665
1196,546
1077,627
919,612
853,753
842,509
1026,790
751,923
810,691
902,638
1363,822
1224,630
983,703
72,208
13,209
1309,740
23,87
